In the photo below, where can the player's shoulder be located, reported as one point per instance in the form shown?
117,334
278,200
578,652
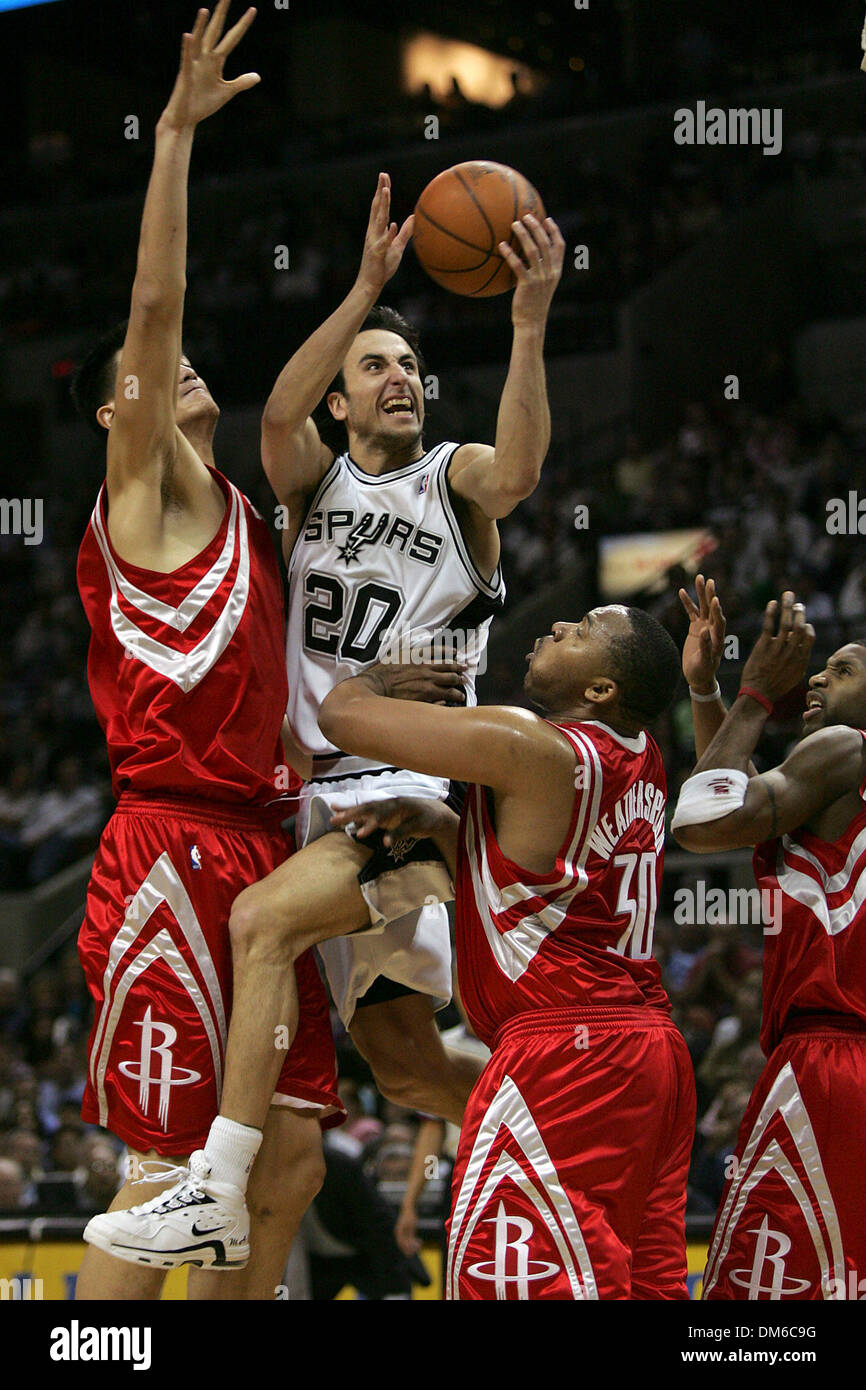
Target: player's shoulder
836,744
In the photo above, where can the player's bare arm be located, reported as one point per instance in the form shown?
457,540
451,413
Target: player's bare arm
150,464
493,480
702,656
526,762
822,768
293,454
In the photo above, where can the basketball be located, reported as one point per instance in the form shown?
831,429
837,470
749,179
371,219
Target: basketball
460,219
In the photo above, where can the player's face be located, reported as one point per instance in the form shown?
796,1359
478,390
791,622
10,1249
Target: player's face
574,656
194,400
837,695
384,397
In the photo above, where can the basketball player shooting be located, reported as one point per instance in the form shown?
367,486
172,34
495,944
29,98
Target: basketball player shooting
186,667
570,1181
790,1223
385,542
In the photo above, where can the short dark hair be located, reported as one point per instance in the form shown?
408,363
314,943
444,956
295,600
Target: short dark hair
381,316
645,666
93,383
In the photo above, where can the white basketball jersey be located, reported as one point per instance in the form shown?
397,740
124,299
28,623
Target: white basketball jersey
379,568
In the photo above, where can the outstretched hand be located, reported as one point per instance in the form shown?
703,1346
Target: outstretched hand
538,271
200,89
384,244
704,644
780,657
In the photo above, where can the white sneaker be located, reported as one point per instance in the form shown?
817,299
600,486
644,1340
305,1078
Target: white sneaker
196,1222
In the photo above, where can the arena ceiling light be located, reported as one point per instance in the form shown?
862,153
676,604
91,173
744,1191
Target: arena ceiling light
484,77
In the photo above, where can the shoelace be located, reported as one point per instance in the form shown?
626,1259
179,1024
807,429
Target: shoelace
157,1171
162,1172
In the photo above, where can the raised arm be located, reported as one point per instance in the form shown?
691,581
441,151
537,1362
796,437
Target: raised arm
820,769
495,479
702,655
143,437
293,455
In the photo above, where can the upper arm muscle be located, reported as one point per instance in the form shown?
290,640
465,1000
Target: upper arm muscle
142,439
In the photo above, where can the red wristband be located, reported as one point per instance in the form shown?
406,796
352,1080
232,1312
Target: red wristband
756,695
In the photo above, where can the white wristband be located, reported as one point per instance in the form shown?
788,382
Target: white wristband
708,796
706,699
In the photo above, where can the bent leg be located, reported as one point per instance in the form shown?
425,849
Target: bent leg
311,897
288,1172
412,1067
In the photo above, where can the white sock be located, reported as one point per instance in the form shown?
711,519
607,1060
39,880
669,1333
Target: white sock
231,1149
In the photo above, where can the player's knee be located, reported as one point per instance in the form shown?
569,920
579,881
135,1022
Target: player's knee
255,926
290,1190
401,1082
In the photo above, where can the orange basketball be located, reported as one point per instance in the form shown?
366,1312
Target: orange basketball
460,219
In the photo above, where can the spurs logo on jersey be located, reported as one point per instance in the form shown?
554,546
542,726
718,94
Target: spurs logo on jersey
393,531
377,558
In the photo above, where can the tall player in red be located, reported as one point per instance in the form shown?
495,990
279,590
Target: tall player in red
570,1180
791,1220
180,584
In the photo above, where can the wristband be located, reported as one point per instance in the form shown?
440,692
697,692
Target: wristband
707,796
706,699
756,695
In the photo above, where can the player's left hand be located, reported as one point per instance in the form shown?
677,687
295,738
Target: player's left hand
433,682
200,89
401,818
780,657
538,271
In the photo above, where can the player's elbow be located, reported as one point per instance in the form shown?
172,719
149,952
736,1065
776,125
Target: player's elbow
157,298
514,488
690,837
335,721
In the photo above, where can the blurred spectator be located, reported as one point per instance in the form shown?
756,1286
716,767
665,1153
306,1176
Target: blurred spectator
11,1185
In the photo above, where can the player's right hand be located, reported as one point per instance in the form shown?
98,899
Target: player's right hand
704,644
406,1232
200,89
780,658
401,818
433,682
384,244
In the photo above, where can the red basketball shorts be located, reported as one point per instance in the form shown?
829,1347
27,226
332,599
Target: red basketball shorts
570,1180
156,953
791,1224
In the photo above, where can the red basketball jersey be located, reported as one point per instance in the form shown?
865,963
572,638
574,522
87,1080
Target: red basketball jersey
581,934
815,948
187,670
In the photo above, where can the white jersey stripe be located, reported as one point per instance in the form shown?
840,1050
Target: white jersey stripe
186,669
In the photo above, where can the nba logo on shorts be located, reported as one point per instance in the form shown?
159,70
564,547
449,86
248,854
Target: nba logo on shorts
167,1075
195,856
